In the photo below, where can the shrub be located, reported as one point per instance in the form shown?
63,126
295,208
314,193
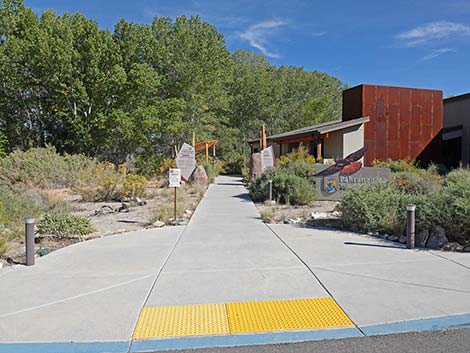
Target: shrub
101,183
402,165
287,188
234,164
134,185
3,245
382,208
373,208
64,225
416,182
43,168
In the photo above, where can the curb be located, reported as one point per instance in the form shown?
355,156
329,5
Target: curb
430,324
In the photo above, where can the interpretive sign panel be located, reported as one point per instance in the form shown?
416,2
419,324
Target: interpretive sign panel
175,178
267,158
186,161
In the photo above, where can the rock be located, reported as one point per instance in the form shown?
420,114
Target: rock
270,203
393,238
466,249
452,246
200,177
188,212
256,166
140,202
437,238
421,238
124,207
319,215
402,239
157,224
295,220
106,209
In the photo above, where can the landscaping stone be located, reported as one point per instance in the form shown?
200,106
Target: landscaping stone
437,238
158,224
140,202
256,166
124,207
421,238
392,238
452,246
402,239
466,249
200,176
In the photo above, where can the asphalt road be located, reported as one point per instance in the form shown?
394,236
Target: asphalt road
449,341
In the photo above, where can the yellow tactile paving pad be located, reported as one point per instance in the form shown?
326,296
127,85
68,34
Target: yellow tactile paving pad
185,320
244,317
296,314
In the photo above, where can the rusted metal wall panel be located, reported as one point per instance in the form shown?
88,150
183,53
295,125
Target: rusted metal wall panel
403,121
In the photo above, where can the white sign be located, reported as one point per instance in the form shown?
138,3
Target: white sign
175,178
267,158
186,161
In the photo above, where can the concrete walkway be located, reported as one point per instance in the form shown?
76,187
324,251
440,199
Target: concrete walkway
92,293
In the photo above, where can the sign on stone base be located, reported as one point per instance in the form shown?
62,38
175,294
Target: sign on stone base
268,160
186,161
331,187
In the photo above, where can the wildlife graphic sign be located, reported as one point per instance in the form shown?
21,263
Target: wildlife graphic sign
333,179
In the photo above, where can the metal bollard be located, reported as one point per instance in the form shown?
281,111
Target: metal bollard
30,247
410,226
270,190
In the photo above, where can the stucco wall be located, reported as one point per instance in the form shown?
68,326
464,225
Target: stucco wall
457,112
353,139
333,145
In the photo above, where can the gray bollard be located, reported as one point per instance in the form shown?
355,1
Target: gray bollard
30,247
410,226
270,190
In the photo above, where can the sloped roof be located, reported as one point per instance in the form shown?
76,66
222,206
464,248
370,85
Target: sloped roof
320,128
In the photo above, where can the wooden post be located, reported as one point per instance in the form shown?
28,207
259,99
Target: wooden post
319,149
264,137
280,149
194,139
207,152
174,205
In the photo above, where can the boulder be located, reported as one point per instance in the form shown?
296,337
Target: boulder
392,238
437,238
256,165
466,249
421,238
402,239
200,176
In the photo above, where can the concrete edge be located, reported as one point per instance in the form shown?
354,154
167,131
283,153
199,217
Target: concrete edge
66,347
242,339
430,324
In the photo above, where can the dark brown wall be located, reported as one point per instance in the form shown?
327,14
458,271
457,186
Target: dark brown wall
403,121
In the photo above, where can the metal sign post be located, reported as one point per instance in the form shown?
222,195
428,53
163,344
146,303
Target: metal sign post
174,182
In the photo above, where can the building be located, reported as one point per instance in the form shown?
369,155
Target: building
394,122
405,123
331,140
456,132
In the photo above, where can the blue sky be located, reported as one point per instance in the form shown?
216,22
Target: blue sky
403,42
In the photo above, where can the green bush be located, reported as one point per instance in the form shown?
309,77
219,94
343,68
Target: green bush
382,208
373,208
301,167
417,182
287,188
64,225
3,245
234,163
403,165
43,168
